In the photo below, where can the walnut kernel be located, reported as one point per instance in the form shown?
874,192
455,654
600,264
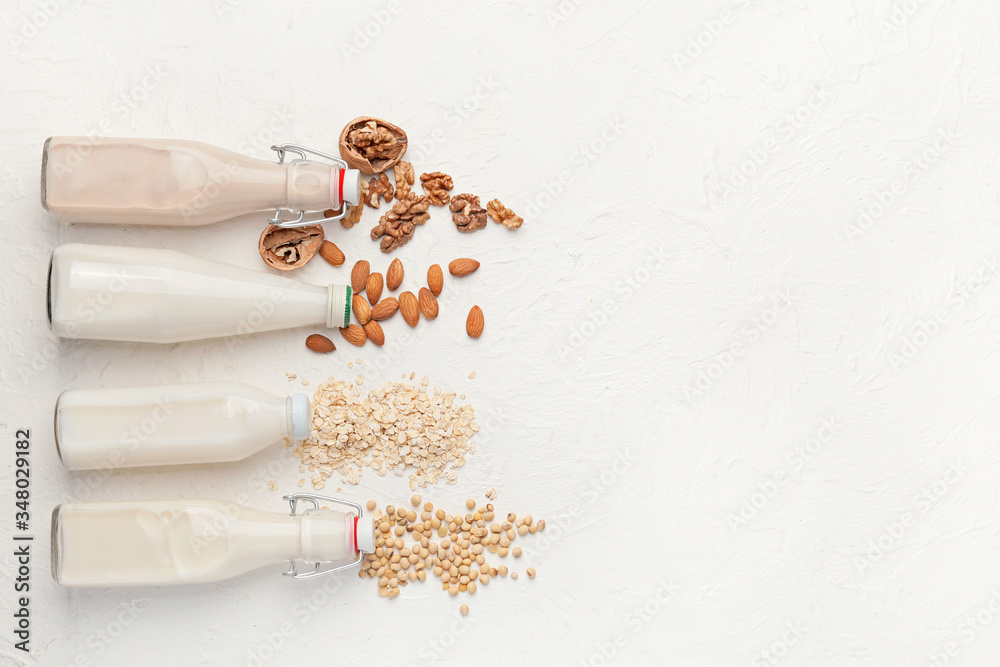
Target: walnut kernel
467,214
436,184
503,215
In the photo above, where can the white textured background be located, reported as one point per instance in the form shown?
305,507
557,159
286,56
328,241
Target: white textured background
696,168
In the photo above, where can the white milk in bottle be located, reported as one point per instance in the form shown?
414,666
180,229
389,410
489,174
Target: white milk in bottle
179,182
204,422
161,542
162,296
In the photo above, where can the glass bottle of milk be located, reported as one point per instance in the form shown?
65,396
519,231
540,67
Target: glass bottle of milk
178,182
164,296
183,541
203,422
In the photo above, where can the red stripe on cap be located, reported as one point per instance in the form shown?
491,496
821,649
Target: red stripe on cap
342,186
355,519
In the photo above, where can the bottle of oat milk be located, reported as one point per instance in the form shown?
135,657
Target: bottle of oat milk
173,424
183,183
184,541
147,295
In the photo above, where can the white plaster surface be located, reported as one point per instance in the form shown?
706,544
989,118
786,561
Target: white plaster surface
748,312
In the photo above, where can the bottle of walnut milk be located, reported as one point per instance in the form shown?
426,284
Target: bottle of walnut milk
184,541
178,182
162,296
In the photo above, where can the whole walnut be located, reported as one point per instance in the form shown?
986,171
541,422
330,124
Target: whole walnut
467,214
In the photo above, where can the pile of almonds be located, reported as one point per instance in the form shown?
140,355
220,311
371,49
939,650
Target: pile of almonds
370,309
412,543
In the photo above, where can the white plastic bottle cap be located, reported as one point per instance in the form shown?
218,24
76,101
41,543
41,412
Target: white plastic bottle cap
351,192
301,416
365,534
338,306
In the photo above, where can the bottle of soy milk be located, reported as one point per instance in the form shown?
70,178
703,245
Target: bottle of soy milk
182,541
178,182
163,296
203,422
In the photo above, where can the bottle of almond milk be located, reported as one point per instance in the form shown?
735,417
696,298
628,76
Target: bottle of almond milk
177,182
163,296
203,422
182,541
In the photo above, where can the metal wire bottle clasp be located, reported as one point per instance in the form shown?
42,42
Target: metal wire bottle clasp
300,221
315,500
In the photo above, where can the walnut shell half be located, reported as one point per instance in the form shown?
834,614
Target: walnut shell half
372,145
289,249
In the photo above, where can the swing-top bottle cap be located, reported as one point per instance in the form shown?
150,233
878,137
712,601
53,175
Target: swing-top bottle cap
301,416
351,192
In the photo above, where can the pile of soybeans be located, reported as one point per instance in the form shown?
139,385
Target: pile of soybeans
410,544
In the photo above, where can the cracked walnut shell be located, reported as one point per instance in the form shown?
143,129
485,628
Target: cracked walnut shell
287,249
436,184
468,215
503,215
372,145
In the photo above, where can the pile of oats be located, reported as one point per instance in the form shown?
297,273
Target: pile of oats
396,429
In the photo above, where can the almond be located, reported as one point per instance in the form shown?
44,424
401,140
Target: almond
474,323
354,335
320,343
463,266
359,276
394,276
410,308
435,279
362,311
373,330
428,304
385,308
374,288
331,253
